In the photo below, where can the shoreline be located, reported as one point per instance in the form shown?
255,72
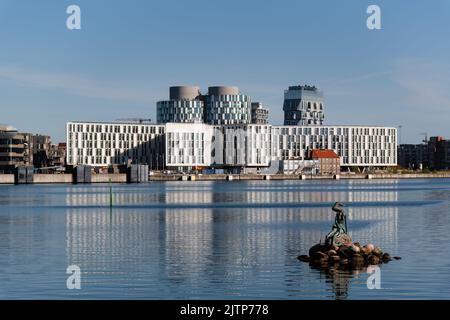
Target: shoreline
8,179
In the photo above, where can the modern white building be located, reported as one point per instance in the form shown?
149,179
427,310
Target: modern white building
358,146
186,146
257,146
224,130
102,144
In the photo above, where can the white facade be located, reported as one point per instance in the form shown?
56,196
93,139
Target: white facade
103,144
242,145
258,145
363,146
190,145
299,166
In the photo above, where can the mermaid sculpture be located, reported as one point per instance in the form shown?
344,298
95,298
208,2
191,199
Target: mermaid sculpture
338,235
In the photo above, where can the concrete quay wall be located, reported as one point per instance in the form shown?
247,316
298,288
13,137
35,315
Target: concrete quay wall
121,178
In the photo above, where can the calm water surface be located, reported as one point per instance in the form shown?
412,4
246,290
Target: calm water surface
219,240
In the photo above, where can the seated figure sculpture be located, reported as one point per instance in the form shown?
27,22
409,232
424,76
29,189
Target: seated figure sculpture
338,235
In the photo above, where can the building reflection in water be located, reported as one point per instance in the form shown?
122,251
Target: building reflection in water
236,249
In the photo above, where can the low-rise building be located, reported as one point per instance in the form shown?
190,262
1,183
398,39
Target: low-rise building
433,154
328,161
298,167
413,156
42,146
190,146
102,144
15,149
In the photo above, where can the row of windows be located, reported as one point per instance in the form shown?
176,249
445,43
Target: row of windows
8,142
185,144
103,128
193,160
11,150
185,136
113,144
334,131
113,137
228,98
88,160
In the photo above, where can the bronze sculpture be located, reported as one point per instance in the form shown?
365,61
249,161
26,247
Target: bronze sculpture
338,235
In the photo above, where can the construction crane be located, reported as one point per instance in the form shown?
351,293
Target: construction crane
139,120
425,134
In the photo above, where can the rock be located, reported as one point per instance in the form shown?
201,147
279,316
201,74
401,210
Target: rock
364,251
331,253
357,259
355,249
316,248
319,256
335,258
377,251
304,258
370,247
320,263
373,260
398,258
358,245
344,261
346,252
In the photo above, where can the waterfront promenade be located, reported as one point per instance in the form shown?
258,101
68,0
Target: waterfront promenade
121,178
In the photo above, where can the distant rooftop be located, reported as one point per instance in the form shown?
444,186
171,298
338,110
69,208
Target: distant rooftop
304,87
7,128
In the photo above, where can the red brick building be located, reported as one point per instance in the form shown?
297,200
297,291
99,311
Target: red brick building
329,161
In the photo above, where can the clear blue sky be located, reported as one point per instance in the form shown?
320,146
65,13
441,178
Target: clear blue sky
129,52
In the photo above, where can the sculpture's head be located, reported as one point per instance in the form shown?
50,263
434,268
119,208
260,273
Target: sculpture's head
338,207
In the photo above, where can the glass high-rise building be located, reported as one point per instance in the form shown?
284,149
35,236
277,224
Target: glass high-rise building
303,105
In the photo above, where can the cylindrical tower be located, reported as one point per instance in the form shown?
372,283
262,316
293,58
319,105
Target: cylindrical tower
184,106
225,106
184,93
223,91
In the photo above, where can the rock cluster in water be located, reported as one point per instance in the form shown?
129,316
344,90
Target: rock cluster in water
349,256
